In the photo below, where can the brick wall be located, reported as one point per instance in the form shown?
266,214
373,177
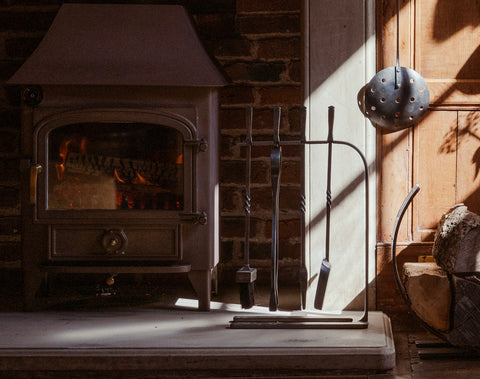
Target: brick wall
22,25
262,58
258,43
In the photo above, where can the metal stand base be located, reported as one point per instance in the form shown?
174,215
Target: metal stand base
296,322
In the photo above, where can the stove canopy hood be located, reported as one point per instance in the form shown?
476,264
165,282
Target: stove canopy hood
121,44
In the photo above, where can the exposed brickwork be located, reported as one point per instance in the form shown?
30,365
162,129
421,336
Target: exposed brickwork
268,23
267,6
9,140
273,48
237,95
281,95
10,196
10,225
255,71
258,43
9,251
21,47
9,169
22,19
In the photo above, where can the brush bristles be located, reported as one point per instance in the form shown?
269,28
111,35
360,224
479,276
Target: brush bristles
246,277
247,299
303,281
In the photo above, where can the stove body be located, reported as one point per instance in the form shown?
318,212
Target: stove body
120,169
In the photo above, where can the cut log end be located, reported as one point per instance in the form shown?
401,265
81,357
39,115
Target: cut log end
428,288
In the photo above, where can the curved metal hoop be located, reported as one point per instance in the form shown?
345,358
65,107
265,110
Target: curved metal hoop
401,212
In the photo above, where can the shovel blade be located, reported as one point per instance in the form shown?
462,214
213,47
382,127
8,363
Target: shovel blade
322,284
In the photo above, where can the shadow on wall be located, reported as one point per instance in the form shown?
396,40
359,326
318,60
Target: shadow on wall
466,131
465,10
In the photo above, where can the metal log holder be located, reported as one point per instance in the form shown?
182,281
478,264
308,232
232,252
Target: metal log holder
303,321
393,247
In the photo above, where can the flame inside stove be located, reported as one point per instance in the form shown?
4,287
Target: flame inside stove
117,177
83,146
63,152
139,179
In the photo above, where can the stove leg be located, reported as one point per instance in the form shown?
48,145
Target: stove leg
32,279
202,284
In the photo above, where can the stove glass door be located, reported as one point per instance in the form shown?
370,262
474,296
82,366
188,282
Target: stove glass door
115,166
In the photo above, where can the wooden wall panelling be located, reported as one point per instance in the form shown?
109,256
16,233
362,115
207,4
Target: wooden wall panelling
435,150
439,39
447,51
395,167
394,151
468,160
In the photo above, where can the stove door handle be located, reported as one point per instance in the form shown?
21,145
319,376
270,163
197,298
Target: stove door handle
34,171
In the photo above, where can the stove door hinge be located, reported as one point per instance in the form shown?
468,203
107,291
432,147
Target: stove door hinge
195,217
200,144
32,96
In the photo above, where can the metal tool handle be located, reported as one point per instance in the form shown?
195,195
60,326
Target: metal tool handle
276,165
331,115
248,173
303,273
325,266
397,65
277,113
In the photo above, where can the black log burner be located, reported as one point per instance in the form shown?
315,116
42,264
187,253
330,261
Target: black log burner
119,138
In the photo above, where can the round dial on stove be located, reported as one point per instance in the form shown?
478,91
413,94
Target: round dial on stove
115,241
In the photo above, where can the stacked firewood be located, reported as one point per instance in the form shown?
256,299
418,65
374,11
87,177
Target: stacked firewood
446,293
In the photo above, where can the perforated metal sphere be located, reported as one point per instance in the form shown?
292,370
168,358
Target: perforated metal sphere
396,108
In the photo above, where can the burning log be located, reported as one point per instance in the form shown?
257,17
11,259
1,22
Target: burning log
126,170
87,181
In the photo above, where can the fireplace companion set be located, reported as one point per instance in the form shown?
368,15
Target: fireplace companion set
119,145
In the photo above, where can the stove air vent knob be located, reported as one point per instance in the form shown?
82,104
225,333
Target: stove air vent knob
115,241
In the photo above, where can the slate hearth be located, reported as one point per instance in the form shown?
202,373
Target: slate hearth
181,339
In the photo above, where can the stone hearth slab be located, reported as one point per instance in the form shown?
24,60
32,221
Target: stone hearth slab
185,339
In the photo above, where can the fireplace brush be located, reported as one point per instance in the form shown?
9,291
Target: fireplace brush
246,275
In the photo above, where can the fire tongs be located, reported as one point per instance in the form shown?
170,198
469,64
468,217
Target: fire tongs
300,321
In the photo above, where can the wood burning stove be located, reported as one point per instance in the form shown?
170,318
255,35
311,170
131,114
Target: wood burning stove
119,135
